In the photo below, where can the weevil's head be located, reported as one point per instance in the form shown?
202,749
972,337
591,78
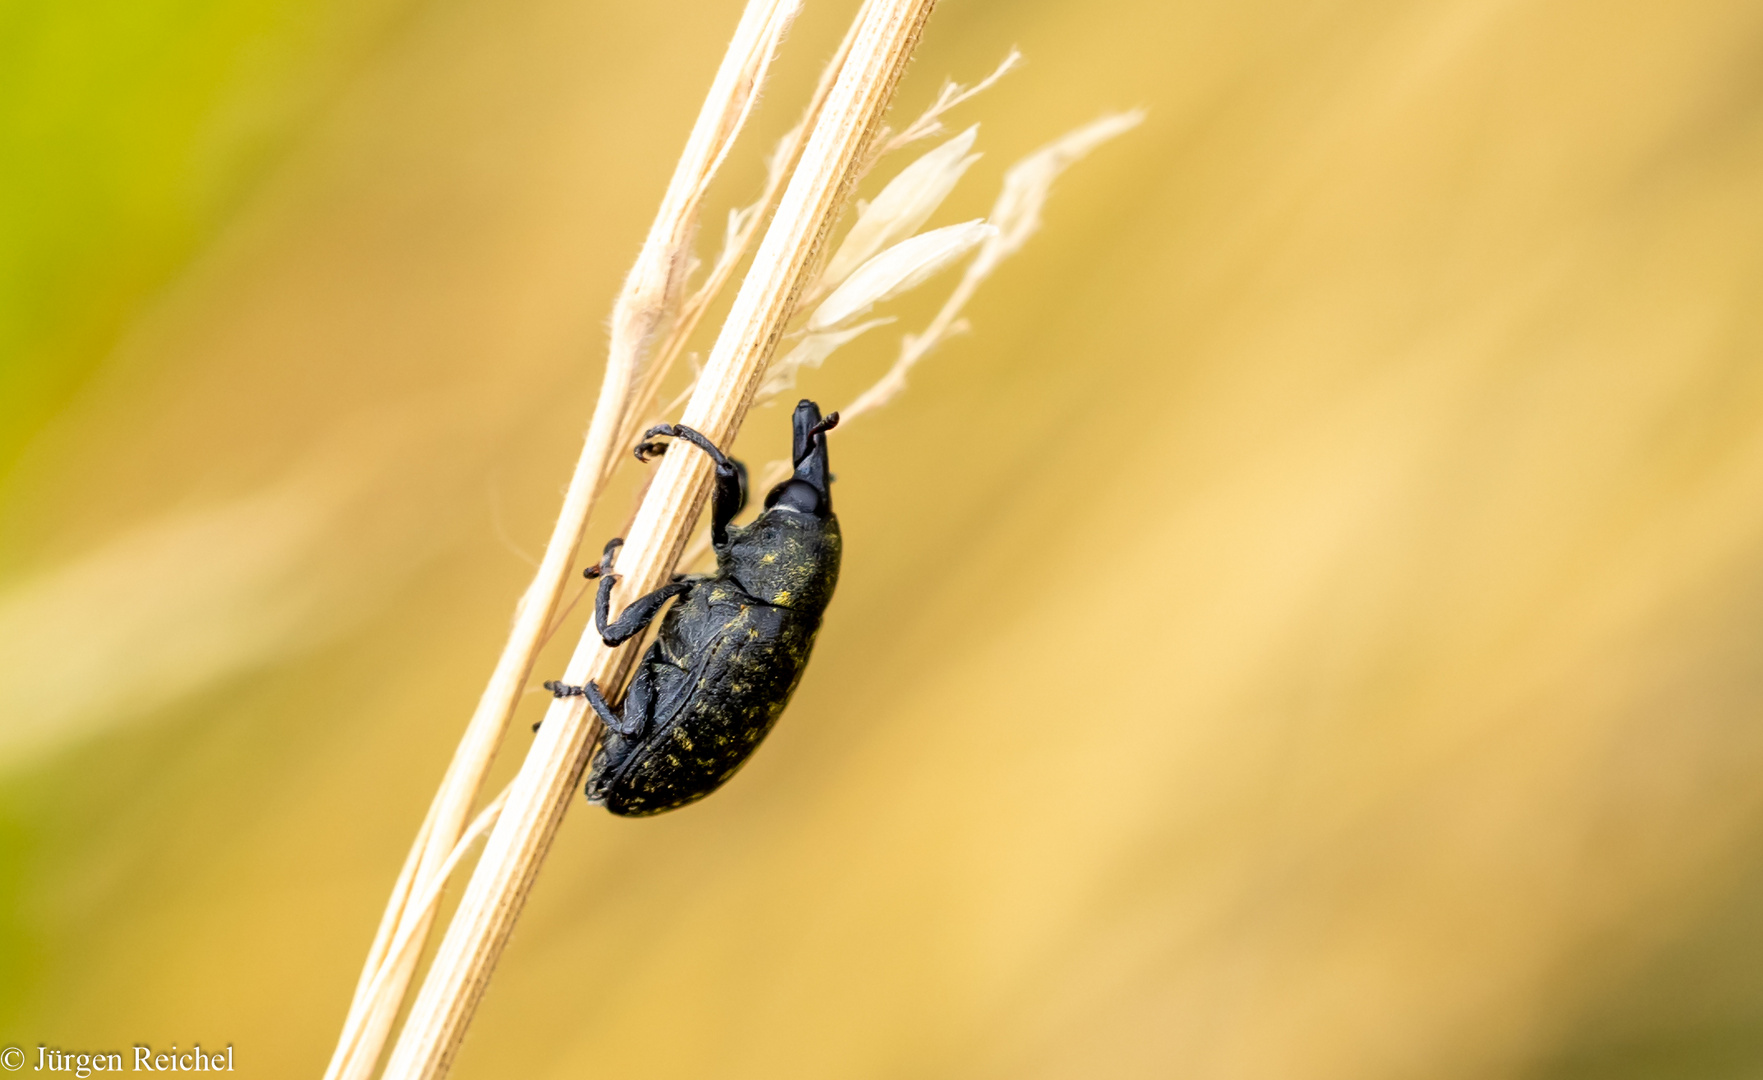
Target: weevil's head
809,490
789,555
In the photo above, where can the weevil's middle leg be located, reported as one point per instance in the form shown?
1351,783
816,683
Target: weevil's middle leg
635,617
731,476
606,556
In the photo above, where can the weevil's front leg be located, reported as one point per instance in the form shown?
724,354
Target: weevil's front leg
635,617
591,691
728,502
731,476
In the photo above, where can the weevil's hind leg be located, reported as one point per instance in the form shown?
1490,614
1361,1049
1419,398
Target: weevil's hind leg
559,688
639,705
636,616
629,728
731,476
591,691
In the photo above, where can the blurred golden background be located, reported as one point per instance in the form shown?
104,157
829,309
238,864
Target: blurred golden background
1309,628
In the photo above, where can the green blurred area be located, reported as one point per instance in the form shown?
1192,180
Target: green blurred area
1308,627
129,130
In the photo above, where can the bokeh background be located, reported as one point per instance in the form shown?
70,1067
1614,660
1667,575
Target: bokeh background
1312,627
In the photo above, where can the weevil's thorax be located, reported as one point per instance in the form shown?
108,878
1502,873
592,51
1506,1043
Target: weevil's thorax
786,558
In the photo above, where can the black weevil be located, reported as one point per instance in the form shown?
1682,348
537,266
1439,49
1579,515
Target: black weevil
730,653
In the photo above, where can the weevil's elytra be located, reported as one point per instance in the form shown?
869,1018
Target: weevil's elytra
732,649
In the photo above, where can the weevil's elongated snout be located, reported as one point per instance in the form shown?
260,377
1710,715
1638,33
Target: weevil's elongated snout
810,489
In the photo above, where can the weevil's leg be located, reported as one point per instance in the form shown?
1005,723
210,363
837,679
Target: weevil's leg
639,706
604,566
740,493
636,616
691,435
603,601
731,476
591,691
610,718
559,688
730,499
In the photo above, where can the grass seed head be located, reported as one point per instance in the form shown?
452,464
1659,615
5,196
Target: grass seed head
898,269
902,207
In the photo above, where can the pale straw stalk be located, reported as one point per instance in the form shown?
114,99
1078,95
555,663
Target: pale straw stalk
883,41
645,309
743,226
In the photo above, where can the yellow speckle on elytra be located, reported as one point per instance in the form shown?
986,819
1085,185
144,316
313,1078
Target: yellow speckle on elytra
769,557
680,736
782,597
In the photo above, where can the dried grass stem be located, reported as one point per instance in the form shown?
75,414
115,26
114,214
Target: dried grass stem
645,309
886,33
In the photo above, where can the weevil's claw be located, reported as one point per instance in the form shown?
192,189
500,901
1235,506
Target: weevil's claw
562,690
831,421
604,566
649,449
606,556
